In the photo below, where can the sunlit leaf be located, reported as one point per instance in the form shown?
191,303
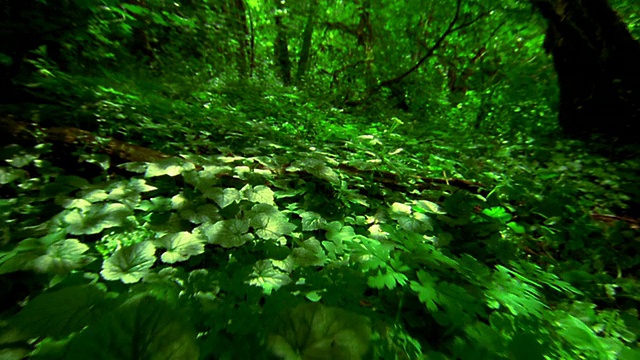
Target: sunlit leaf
268,277
129,264
425,289
410,220
172,167
96,218
180,246
312,221
258,194
223,197
269,222
429,207
62,257
309,254
227,233
498,213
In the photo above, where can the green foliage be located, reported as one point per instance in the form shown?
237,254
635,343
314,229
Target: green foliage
287,224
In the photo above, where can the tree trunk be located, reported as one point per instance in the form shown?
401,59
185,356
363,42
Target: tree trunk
305,48
281,45
597,62
241,33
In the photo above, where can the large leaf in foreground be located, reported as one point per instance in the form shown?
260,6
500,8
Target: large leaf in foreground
314,331
56,314
142,328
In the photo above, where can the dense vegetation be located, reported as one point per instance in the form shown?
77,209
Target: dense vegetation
305,180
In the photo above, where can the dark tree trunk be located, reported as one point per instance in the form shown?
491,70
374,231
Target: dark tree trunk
281,45
598,65
305,48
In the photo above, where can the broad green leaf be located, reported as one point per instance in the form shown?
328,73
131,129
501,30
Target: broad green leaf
429,207
96,218
259,194
8,175
309,254
318,168
180,246
135,185
223,197
410,220
56,314
268,222
128,192
202,214
81,204
141,328
339,233
62,257
22,159
312,221
227,233
400,209
172,167
23,256
94,196
314,331
267,277
499,213
129,264
16,261
517,228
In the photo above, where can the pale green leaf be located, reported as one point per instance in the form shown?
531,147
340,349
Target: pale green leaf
62,257
172,167
258,194
267,277
223,197
309,254
227,233
129,264
180,246
268,222
430,207
96,218
312,221
8,175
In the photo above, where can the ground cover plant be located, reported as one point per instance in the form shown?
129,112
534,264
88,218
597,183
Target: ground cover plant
314,180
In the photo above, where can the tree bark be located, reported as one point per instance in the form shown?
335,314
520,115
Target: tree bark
597,62
281,45
305,48
241,32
